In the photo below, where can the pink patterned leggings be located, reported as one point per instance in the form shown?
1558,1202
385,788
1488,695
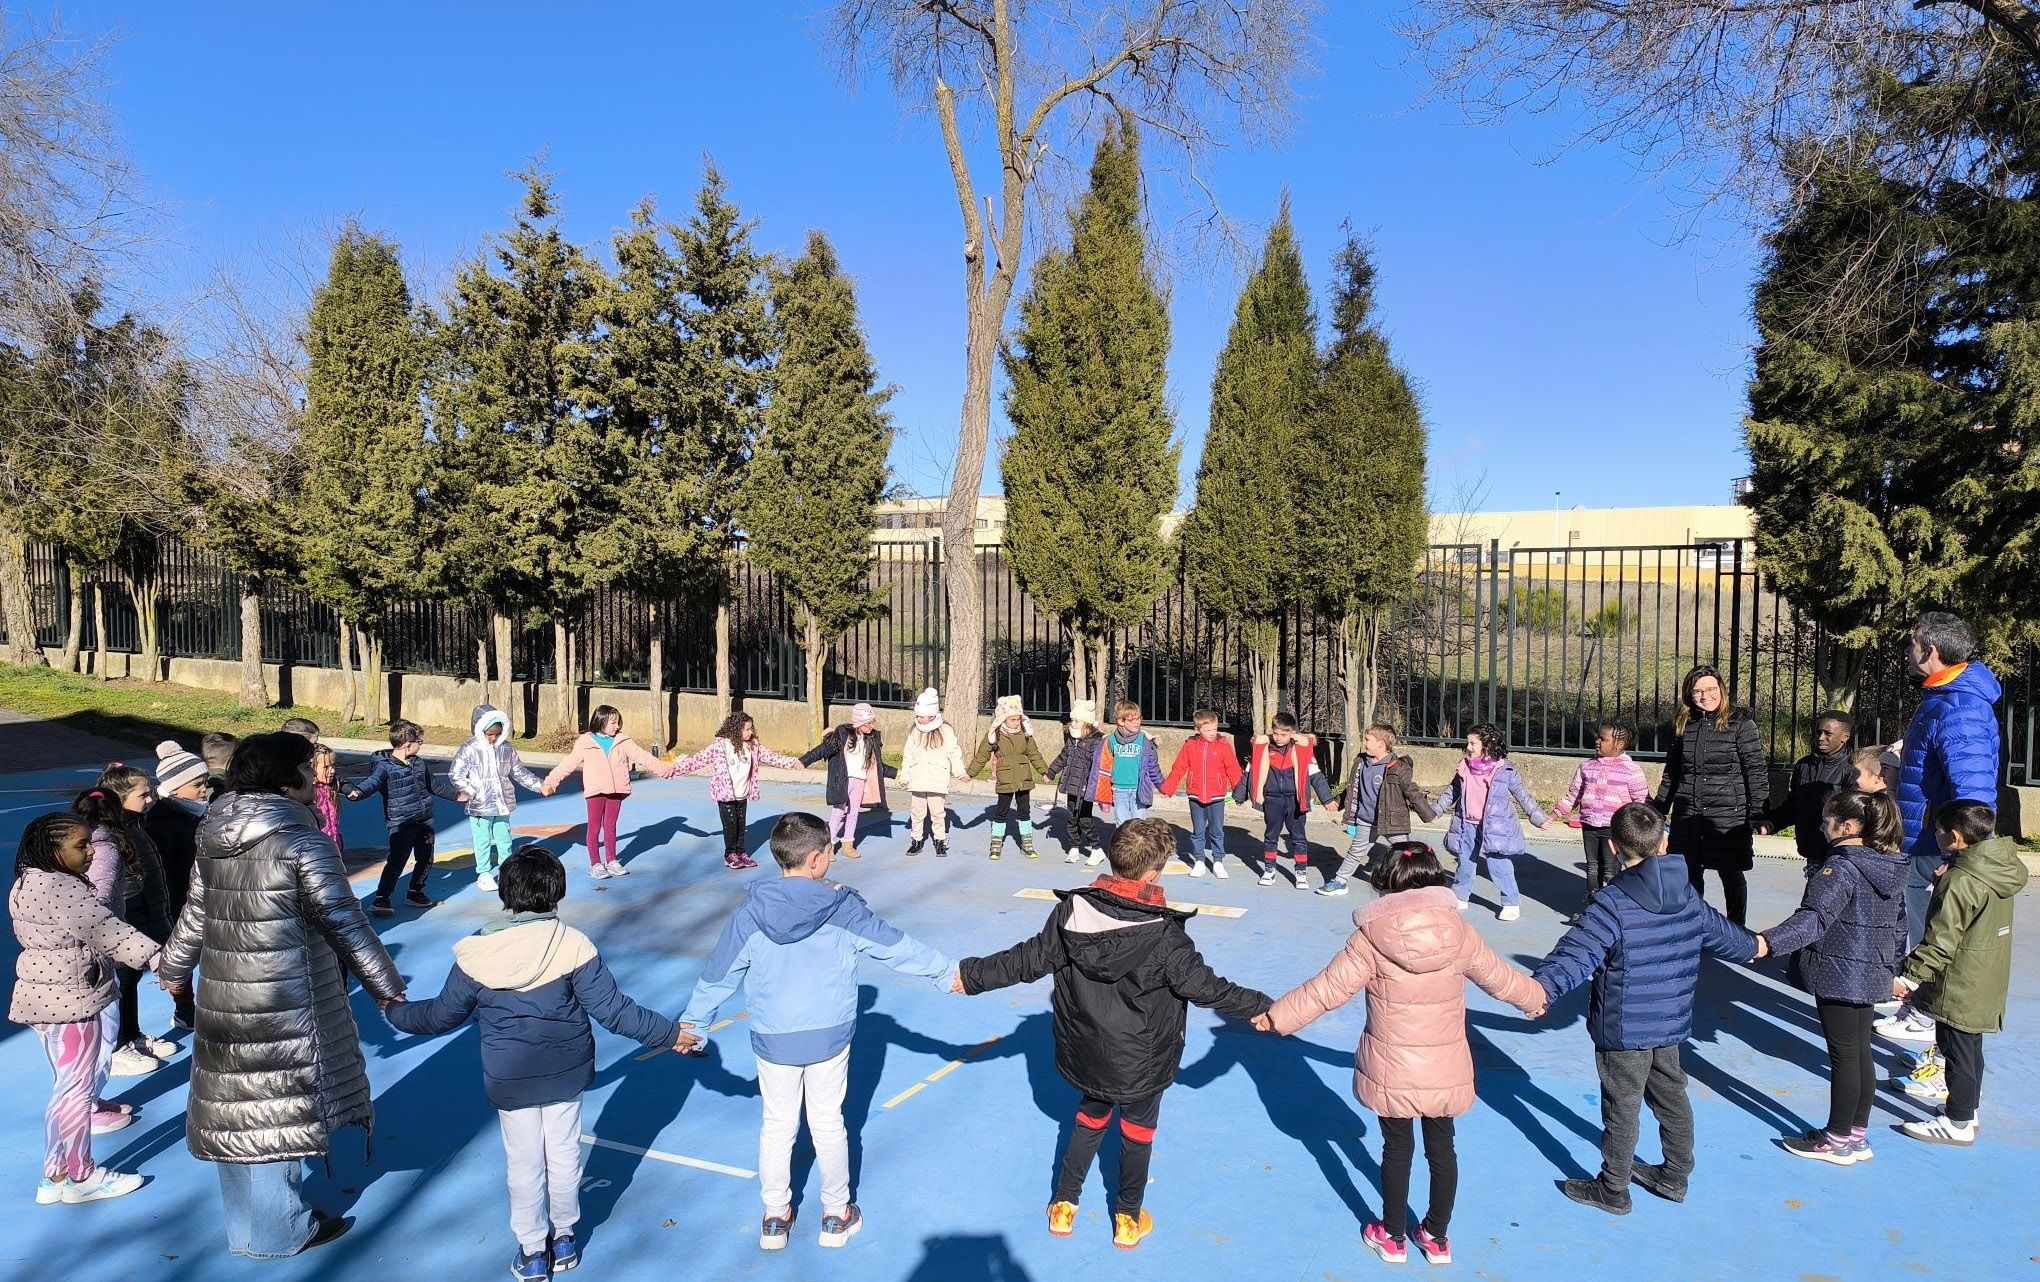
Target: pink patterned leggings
79,1056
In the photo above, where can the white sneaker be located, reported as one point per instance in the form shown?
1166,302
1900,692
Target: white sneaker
155,1046
1908,1025
597,872
103,1185
1465,904
616,869
50,1192
1076,855
1196,868
129,1062
485,882
1097,857
1940,1129
1267,876
1218,869
1510,912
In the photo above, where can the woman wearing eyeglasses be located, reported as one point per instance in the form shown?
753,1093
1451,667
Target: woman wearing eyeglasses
1715,787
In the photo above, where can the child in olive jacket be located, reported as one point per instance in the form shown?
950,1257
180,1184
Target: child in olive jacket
1016,767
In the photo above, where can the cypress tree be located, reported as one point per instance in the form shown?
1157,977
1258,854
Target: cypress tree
1239,542
1090,467
528,476
363,449
1362,524
819,468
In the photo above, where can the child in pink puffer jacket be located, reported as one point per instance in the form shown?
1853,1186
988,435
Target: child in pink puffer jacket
605,756
1412,953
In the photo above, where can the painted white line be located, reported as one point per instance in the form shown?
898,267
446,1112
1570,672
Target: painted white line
1181,906
676,1159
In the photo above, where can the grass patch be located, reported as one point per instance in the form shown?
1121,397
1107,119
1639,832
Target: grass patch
145,714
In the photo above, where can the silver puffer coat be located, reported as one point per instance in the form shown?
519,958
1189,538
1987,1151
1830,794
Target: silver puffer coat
277,1065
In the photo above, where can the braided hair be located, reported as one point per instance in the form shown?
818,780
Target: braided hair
38,848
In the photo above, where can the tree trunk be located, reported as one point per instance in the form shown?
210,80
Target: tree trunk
1101,676
1840,676
817,655
15,601
254,691
499,622
1080,664
74,614
1264,670
655,678
148,626
348,706
723,701
372,672
1351,642
1370,690
563,673
100,653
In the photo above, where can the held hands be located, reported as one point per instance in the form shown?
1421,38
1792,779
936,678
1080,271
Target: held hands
354,794
460,799
1899,990
1763,948
1262,1024
686,1040
956,984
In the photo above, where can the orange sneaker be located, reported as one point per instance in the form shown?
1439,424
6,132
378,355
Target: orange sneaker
1127,1230
1062,1218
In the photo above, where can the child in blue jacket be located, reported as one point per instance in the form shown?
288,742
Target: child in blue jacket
407,786
532,983
795,942
1639,942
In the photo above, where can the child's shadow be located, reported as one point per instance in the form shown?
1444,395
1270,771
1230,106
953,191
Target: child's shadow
647,1099
1298,1102
1033,1041
650,837
1507,1088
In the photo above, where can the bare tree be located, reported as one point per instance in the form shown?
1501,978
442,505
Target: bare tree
1180,67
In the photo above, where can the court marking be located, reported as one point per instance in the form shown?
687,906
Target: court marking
716,1027
1181,906
939,1074
699,1164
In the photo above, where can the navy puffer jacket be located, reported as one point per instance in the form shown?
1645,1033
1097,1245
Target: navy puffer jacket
1850,924
407,788
1639,942
1951,752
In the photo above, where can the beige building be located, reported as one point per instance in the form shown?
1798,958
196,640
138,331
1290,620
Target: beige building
918,520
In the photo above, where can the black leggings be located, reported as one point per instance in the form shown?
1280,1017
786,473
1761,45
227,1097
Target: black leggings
1083,830
1011,818
1962,1053
1602,862
733,815
1136,1146
130,1006
1852,1083
1398,1151
1735,889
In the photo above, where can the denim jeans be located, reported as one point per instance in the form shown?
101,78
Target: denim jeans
264,1203
1125,806
1207,829
1501,868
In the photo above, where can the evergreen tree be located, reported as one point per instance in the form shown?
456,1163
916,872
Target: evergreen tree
1239,542
361,546
527,477
819,468
727,356
1362,525
1090,467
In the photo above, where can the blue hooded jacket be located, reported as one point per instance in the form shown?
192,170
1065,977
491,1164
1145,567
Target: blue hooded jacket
1951,753
407,788
1639,942
1850,924
795,941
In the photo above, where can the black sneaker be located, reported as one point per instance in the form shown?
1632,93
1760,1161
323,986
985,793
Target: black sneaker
419,899
1596,1194
380,907
913,847
942,850
326,1228
1653,1178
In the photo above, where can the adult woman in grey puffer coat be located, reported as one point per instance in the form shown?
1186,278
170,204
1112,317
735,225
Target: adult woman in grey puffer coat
277,1064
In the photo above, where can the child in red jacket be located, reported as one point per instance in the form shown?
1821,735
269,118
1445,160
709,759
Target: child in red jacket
1211,769
1282,779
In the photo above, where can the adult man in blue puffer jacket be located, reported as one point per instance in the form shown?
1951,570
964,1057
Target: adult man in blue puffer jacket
1639,942
1952,750
795,942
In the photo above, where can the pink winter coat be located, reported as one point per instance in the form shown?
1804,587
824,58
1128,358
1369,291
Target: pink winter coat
715,759
606,773
1413,953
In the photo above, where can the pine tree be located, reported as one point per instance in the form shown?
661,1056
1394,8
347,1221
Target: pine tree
727,357
819,469
360,508
1091,467
1239,542
1362,524
528,476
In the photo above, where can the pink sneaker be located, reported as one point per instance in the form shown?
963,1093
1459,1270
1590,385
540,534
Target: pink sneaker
1390,1250
1437,1250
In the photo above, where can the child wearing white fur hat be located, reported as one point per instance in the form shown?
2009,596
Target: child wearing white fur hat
1071,773
1016,767
929,759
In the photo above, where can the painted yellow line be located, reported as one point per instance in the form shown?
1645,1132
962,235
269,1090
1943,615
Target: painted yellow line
716,1027
1181,906
941,1072
906,1094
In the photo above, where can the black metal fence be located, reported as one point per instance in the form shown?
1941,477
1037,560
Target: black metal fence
1545,642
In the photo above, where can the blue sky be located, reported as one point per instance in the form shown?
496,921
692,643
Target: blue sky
1573,325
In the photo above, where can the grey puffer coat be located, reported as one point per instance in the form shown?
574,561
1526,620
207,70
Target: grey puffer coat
277,1064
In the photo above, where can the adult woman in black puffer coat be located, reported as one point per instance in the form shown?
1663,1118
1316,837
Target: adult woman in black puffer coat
1715,787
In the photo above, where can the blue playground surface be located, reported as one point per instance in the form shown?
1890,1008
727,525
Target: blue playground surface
1264,1166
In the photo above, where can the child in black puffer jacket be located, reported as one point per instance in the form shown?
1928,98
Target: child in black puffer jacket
1851,926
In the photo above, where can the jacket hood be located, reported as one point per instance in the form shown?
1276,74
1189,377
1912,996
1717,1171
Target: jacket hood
1998,864
520,955
1885,874
1974,681
790,909
485,715
239,820
1418,930
1657,885
1107,936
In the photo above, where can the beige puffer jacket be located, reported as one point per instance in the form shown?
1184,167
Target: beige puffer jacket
277,1064
64,975
1413,953
929,767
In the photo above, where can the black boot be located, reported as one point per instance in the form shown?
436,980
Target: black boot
914,846
942,850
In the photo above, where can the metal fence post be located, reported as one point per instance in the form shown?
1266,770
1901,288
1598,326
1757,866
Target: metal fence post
1493,621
